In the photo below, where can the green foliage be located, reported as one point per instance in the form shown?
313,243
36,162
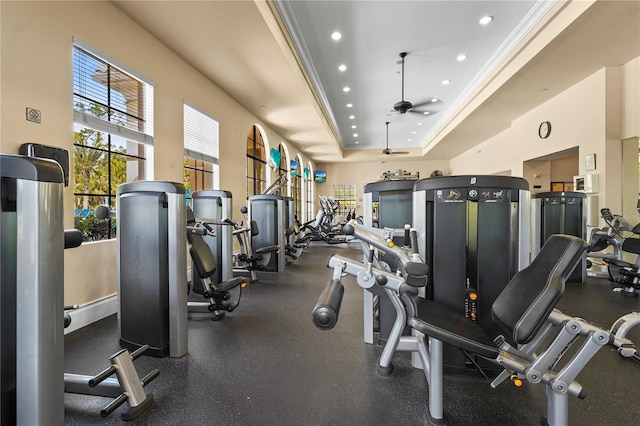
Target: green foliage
94,229
93,160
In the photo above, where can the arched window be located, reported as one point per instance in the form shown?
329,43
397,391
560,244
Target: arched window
308,188
256,162
283,169
296,181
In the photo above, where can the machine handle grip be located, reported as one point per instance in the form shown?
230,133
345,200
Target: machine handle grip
72,238
414,241
67,320
407,236
353,228
325,313
104,212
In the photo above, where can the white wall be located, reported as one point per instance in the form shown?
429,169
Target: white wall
361,173
36,69
587,115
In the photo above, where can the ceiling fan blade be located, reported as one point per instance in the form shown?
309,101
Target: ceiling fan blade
398,152
424,103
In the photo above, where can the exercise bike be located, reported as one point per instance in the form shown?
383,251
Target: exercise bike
623,238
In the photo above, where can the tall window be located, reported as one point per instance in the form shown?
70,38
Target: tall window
113,135
346,196
256,162
282,170
297,187
201,151
308,185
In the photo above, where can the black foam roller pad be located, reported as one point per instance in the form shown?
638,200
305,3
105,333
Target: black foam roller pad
325,313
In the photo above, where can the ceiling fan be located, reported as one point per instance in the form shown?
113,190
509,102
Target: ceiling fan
387,151
405,106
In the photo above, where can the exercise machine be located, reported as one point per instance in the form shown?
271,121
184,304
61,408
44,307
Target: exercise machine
520,339
246,259
626,275
268,213
32,291
32,318
295,242
609,237
473,232
126,386
223,296
152,267
388,204
324,227
213,210
559,213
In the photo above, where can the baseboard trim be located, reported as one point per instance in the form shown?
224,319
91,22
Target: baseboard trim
91,313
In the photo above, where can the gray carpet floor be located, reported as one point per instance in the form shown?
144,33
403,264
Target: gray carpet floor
266,364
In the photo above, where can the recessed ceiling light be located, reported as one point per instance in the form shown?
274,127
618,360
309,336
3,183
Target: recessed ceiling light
408,140
485,20
413,133
346,89
434,100
351,117
354,127
461,57
349,105
355,135
336,36
419,124
426,113
446,82
357,142
342,67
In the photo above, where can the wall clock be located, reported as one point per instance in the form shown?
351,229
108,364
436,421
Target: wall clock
544,130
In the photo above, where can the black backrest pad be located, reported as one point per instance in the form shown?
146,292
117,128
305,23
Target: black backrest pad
201,256
631,245
191,219
527,300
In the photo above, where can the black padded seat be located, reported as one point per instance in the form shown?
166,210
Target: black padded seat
205,264
518,312
452,327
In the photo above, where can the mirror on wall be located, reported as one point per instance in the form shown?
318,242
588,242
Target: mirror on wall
631,179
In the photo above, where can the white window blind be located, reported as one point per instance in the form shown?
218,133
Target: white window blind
200,135
110,99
